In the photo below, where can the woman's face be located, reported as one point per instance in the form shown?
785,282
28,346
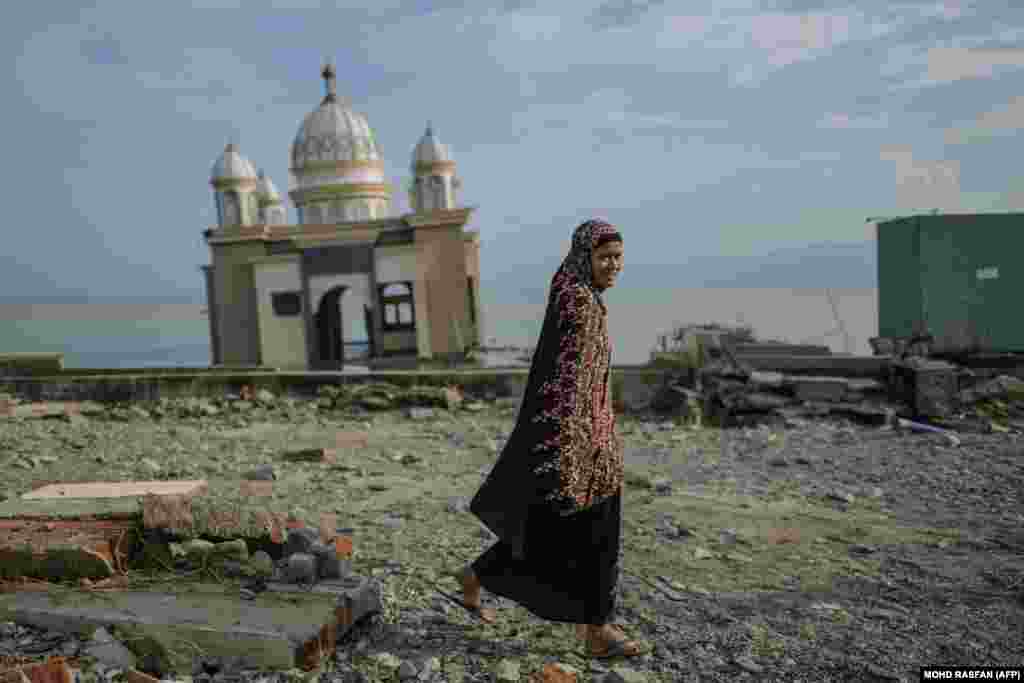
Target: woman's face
606,262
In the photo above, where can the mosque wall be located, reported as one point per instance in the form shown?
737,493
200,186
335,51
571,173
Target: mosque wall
282,334
237,317
397,264
443,270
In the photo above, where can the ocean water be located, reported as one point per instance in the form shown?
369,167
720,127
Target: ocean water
138,336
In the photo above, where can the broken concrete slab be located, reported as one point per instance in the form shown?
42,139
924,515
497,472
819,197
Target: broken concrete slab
118,489
828,389
281,628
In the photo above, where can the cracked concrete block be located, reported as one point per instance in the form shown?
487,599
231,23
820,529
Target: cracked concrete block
109,651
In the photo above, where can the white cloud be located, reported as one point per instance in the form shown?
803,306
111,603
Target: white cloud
923,185
1003,120
946,65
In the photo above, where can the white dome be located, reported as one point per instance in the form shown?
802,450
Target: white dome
231,164
333,132
266,189
429,150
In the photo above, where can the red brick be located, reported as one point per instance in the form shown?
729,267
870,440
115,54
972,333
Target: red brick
167,512
328,527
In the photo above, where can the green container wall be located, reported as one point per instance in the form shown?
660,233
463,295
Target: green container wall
928,280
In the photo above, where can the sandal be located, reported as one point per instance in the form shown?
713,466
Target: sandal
615,647
486,614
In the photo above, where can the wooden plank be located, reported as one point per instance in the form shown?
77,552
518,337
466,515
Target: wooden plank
118,489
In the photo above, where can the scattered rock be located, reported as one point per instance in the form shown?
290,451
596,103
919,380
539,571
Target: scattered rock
841,496
109,651
457,505
407,671
748,664
261,473
727,537
301,540
418,413
662,486
302,568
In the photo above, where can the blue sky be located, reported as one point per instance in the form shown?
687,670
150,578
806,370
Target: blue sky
704,129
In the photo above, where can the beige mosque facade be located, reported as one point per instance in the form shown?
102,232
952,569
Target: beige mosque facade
348,283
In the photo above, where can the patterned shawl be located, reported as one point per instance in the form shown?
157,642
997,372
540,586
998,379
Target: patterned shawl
564,450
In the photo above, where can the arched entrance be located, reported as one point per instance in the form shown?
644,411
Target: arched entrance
330,348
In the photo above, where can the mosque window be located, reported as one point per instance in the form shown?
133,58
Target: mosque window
286,304
397,304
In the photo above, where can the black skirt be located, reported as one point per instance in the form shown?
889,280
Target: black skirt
569,570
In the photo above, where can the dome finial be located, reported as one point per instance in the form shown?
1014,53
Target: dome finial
329,81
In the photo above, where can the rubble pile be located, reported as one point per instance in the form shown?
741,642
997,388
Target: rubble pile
725,392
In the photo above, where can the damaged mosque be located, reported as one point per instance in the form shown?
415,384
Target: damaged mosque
348,282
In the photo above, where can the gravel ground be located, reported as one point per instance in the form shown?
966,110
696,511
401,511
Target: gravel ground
956,601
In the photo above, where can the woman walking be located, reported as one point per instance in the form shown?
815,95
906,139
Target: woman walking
553,497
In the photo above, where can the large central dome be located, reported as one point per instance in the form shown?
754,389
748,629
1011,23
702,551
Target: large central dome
333,132
336,169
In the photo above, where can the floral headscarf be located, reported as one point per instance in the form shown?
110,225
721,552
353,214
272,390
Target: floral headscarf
586,238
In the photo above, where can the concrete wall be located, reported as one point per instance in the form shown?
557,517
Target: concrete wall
443,259
237,317
282,338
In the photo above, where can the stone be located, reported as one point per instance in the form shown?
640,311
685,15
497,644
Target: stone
457,505
264,396
315,454
301,540
302,568
555,672
261,473
778,461
506,671
727,537
329,564
419,413
662,486
407,671
622,674
702,554
747,664
841,496
108,650
392,522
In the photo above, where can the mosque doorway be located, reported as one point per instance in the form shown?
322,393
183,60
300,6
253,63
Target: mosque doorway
330,351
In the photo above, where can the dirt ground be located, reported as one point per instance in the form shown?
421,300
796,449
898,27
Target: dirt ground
822,551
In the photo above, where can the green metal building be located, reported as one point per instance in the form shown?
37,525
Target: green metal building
957,277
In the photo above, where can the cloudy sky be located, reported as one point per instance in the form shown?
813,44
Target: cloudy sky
730,128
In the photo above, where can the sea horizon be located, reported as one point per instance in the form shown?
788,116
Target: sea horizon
116,335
